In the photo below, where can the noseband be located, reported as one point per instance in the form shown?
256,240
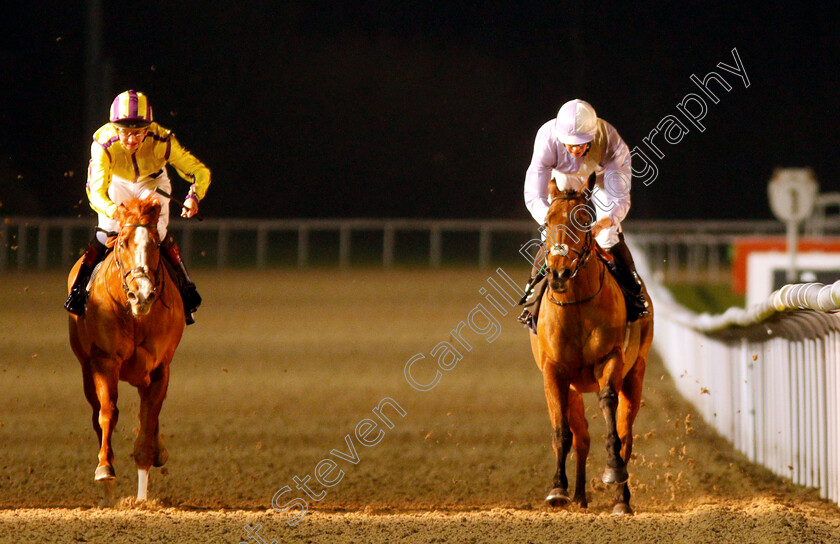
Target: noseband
583,254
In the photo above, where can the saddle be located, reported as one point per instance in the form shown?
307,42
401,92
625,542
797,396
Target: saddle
109,247
602,254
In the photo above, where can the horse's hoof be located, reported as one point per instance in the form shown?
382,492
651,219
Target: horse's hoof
622,509
558,498
105,472
107,487
615,475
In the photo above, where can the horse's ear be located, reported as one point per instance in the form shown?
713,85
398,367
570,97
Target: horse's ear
590,183
119,214
553,191
157,206
152,207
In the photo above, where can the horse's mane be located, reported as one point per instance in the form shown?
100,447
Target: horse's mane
567,194
143,211
569,197
138,211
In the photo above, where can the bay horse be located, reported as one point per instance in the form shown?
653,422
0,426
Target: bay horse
584,344
129,331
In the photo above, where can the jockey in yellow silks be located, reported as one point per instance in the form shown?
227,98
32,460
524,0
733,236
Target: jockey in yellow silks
128,159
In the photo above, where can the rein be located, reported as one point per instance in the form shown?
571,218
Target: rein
582,255
587,299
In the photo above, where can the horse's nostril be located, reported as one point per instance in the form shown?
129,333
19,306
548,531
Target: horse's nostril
132,296
561,275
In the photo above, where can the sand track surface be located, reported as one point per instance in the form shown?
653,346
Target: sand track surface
279,373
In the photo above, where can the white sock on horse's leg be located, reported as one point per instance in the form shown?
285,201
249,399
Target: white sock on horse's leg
142,483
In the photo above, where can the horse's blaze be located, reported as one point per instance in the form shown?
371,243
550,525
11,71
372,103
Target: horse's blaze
143,293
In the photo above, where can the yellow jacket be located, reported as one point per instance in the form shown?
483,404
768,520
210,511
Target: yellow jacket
159,148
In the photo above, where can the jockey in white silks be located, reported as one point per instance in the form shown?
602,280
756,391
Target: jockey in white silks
569,148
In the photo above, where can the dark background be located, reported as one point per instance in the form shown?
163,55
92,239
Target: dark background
415,109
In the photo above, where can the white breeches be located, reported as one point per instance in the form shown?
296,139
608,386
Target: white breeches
122,189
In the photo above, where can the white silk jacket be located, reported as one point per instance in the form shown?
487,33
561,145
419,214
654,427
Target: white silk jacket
608,156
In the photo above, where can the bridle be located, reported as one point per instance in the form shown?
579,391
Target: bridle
581,259
579,301
138,271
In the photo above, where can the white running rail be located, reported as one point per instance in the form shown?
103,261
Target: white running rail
766,377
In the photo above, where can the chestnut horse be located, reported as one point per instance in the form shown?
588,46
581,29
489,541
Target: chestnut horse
584,344
132,324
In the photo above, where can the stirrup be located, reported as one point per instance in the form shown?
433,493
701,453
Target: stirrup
637,308
527,319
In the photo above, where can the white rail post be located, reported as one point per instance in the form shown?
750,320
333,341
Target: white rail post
262,245
303,246
66,250
747,406
43,238
186,242
344,233
484,246
388,236
224,239
22,245
5,243
434,246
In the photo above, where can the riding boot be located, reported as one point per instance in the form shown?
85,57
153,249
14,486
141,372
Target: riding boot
189,294
531,299
95,252
624,271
